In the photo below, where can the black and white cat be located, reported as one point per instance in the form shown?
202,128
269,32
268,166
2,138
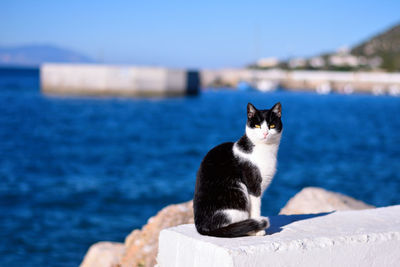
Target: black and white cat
233,176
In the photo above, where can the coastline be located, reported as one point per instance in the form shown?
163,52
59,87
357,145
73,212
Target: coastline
323,82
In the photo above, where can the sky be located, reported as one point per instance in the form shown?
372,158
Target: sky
194,34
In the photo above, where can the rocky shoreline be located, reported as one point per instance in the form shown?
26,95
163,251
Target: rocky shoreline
141,246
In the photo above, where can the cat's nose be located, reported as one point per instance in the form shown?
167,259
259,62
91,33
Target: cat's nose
265,134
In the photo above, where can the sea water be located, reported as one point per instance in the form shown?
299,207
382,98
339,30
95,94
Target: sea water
77,170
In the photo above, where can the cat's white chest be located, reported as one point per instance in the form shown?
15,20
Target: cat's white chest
264,157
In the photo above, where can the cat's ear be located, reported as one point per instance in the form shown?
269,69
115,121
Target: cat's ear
251,110
277,109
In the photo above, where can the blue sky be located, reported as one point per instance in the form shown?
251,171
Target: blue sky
205,34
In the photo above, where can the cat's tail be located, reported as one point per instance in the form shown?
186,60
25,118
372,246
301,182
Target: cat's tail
238,229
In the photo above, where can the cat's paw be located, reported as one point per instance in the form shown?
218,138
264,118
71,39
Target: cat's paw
260,233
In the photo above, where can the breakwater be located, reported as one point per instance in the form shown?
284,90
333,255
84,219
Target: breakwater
90,79
320,81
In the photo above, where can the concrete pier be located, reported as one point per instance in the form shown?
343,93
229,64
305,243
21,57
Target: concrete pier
337,81
90,79
368,237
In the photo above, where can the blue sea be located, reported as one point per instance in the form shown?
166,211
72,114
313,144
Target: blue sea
77,170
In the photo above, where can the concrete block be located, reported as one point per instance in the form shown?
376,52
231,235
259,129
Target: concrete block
346,238
90,79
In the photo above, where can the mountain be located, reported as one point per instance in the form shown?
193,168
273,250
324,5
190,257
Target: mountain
385,45
34,55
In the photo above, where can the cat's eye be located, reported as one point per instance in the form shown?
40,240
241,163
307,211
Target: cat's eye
257,126
272,126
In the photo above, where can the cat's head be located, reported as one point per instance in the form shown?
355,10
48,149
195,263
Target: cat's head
264,126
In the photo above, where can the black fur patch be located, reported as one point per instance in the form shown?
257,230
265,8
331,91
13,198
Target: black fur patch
218,187
245,145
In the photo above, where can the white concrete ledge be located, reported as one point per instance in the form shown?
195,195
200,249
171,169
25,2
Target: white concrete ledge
348,238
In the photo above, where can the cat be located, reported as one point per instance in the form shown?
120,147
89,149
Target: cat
233,176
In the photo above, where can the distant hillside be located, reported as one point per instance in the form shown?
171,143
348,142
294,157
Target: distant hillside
385,45
34,55
381,52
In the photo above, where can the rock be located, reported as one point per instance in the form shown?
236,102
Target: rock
317,200
142,245
103,254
